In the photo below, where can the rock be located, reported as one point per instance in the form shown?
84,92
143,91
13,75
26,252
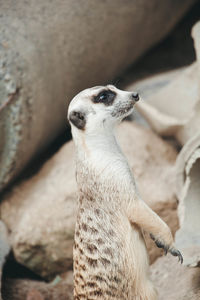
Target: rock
41,211
61,48
18,289
4,249
188,180
33,294
45,211
174,281
165,93
158,67
4,244
174,120
167,117
188,191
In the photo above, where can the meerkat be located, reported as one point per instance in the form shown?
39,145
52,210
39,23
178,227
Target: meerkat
109,254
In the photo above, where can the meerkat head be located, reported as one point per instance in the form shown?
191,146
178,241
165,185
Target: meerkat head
100,107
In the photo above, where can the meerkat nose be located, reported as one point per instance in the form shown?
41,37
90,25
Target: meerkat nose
135,96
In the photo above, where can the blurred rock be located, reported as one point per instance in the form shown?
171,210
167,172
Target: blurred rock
188,191
172,54
21,289
188,176
163,111
41,211
149,86
4,244
61,48
174,110
4,249
174,281
33,294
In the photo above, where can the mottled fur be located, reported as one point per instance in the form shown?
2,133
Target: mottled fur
110,257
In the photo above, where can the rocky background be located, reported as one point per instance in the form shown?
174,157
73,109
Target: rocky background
49,52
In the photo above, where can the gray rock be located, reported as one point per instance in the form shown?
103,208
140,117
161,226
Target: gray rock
174,281
188,179
41,211
174,110
4,249
50,50
4,244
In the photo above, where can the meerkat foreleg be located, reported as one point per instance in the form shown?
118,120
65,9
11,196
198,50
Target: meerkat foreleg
145,218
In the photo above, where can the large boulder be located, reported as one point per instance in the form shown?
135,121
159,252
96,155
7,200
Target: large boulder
50,50
41,211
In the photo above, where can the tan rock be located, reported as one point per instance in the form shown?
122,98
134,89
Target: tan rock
174,110
20,289
4,250
188,180
41,211
174,281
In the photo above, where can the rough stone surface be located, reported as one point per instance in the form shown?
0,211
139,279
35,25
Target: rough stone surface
174,281
188,236
41,211
25,289
188,176
4,249
61,48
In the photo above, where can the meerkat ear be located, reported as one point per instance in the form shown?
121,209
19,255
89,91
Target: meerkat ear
78,119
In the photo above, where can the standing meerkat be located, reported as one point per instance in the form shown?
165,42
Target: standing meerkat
110,256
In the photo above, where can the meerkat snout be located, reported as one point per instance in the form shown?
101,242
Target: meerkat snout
136,96
100,106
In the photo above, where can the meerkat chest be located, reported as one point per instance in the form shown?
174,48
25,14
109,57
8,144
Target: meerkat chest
103,261
105,177
100,255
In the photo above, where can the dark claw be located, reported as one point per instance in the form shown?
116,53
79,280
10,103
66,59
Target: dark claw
152,236
176,252
160,244
173,251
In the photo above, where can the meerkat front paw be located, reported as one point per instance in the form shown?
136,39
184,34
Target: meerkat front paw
160,244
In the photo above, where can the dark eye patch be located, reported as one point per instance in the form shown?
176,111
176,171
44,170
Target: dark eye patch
106,97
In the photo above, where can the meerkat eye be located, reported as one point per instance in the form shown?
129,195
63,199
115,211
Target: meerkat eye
103,97
107,97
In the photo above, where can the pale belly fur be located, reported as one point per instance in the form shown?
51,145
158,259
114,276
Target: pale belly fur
110,258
